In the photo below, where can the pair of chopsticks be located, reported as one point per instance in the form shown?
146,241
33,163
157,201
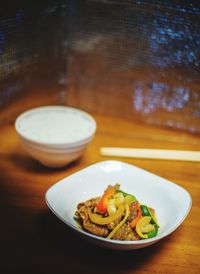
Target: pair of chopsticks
146,153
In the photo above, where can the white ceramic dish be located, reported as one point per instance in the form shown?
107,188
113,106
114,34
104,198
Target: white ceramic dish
55,135
171,202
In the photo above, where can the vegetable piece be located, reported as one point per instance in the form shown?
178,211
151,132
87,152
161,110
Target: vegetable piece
111,208
102,204
148,228
100,220
136,206
118,198
146,212
126,194
142,225
129,199
153,233
112,233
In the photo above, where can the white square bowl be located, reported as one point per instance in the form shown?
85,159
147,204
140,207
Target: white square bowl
171,202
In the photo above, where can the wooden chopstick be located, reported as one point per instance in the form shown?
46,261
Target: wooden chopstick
164,154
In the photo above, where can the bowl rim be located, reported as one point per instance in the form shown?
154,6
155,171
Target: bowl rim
56,145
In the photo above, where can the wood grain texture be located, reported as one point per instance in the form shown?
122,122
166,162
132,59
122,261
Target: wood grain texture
33,240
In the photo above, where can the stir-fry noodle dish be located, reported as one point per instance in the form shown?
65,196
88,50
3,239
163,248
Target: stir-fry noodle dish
117,215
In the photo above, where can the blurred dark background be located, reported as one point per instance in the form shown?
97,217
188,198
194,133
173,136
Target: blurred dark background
139,60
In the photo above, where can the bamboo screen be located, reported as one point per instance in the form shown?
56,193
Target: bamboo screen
139,60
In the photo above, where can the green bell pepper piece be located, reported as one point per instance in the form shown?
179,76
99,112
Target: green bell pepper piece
127,194
146,212
153,233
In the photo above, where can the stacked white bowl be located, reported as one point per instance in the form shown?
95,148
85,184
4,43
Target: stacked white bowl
55,135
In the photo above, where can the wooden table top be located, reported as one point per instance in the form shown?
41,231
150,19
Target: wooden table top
33,240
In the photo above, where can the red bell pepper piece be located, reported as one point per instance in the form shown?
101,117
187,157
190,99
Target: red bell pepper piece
102,204
136,207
